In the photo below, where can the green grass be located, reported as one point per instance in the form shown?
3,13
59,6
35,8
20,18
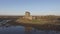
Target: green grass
35,21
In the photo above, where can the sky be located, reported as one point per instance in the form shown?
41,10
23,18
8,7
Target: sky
35,7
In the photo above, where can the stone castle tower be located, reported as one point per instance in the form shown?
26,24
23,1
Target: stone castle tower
27,15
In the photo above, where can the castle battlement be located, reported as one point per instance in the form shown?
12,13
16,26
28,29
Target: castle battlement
27,15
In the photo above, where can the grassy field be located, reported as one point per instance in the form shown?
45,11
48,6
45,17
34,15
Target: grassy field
34,21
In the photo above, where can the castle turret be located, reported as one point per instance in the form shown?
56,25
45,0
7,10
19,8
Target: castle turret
27,15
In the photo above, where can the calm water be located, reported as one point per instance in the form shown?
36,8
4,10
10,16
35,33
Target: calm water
24,30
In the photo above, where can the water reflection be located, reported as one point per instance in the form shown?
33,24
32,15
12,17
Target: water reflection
28,30
24,30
